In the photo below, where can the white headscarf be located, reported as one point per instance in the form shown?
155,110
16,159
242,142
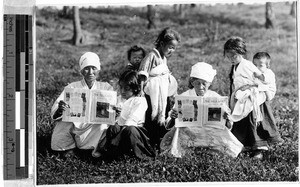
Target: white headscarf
89,59
204,71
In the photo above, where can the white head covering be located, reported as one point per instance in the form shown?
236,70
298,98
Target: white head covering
202,70
89,59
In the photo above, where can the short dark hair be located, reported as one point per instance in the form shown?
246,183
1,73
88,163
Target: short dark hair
167,35
235,44
131,78
260,55
135,48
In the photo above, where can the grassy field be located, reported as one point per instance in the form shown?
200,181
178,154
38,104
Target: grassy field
204,29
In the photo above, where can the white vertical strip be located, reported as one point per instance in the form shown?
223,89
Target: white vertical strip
22,147
18,109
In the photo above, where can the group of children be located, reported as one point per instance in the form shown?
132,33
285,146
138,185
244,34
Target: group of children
147,84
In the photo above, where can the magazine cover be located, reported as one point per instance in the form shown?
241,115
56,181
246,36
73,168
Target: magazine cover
200,111
90,106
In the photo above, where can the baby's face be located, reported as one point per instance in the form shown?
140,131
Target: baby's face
136,57
261,64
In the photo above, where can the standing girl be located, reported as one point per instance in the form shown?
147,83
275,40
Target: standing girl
157,83
252,134
128,135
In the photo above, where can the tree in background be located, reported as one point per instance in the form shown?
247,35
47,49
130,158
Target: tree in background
78,37
181,9
151,16
270,16
66,12
293,9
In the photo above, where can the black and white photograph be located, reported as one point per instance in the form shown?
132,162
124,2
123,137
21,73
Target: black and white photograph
102,110
148,53
214,114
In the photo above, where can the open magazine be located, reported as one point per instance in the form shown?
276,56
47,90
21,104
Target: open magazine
89,106
200,111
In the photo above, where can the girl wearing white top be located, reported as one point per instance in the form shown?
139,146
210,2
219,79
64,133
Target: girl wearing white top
128,135
158,84
256,136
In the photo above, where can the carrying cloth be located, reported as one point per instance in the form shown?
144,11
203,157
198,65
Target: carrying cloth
159,86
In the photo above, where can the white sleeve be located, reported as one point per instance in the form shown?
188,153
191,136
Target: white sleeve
137,112
249,69
271,81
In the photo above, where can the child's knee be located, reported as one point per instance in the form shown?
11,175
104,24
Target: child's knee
113,129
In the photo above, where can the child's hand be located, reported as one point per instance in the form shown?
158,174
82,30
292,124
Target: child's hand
259,76
142,93
117,109
246,87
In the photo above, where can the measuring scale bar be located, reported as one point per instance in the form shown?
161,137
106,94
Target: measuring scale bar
18,64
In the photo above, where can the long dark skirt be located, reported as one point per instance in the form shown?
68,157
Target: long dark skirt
129,140
155,129
263,134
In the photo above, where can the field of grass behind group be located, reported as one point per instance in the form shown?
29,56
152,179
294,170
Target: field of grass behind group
204,29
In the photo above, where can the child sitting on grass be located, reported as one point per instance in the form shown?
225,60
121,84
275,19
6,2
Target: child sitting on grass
128,135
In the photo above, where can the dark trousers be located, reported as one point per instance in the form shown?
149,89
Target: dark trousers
155,129
256,135
128,140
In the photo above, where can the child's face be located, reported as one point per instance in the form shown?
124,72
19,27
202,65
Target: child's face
232,57
136,57
261,64
168,48
126,91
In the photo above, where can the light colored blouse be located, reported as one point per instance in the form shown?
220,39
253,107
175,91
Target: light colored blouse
179,140
151,60
133,112
79,84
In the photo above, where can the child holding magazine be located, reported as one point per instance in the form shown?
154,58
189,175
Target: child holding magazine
128,135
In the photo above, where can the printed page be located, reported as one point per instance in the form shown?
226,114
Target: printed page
101,110
213,111
189,111
78,100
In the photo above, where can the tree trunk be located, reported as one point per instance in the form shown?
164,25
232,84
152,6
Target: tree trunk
270,16
175,8
182,10
78,37
151,16
293,9
66,11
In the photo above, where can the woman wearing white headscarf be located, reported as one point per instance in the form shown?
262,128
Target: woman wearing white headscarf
179,140
69,135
